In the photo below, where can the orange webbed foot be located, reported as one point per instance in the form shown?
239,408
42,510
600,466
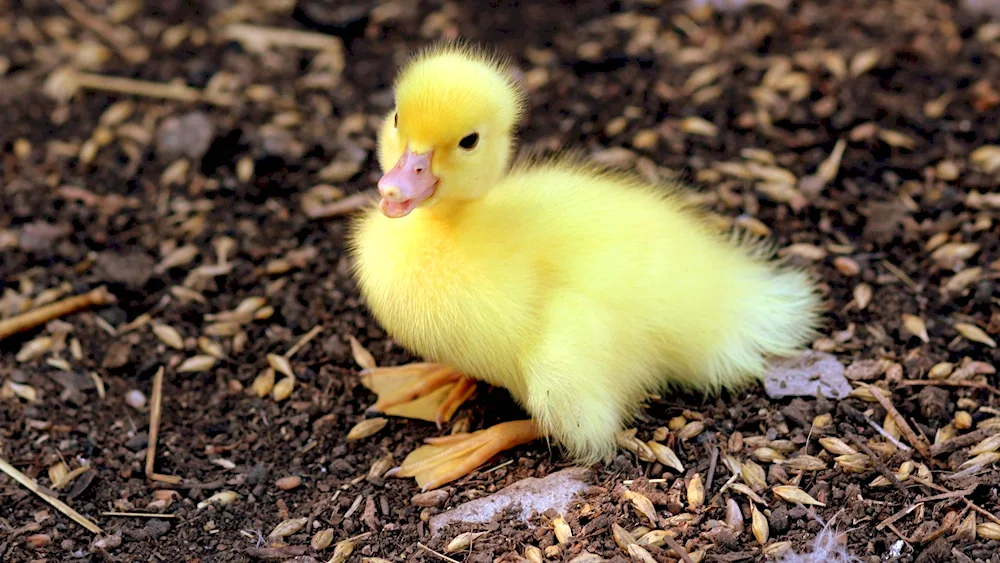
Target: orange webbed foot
424,391
447,458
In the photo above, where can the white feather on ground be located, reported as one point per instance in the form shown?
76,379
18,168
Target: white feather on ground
827,548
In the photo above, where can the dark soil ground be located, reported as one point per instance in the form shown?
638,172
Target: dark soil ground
184,208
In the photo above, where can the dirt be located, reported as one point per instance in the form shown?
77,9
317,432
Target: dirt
103,187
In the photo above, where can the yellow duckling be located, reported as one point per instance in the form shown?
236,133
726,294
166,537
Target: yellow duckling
580,290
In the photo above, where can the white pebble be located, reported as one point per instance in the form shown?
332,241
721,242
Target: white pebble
135,399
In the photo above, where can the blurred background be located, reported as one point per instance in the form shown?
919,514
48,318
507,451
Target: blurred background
199,160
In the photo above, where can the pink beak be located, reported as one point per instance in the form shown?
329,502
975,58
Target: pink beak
407,184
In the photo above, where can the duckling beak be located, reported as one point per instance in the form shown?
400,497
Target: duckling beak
408,184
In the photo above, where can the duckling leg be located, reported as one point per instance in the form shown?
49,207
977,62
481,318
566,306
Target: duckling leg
447,458
424,391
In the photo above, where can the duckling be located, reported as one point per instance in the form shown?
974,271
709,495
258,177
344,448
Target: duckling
580,289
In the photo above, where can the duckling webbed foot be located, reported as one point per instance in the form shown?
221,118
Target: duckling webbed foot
446,458
423,390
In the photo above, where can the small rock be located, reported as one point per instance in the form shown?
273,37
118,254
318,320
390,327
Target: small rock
810,374
131,269
288,483
119,354
41,237
135,399
982,7
532,495
156,528
187,135
104,543
39,540
137,442
934,403
778,522
257,475
341,467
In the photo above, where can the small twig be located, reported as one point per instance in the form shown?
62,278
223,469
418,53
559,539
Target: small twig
59,505
139,514
904,427
257,38
672,543
713,461
878,428
303,341
155,412
892,519
627,482
168,479
982,511
877,462
900,274
344,206
436,554
37,317
960,442
496,467
168,91
98,26
948,495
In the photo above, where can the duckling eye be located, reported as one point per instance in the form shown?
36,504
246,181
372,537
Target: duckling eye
469,141
395,120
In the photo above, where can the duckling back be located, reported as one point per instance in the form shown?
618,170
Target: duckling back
635,293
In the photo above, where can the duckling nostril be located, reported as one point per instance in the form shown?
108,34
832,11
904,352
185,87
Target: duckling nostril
418,170
391,193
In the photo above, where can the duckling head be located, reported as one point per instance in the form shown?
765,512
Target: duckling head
451,135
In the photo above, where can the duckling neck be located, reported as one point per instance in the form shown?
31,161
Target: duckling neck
445,212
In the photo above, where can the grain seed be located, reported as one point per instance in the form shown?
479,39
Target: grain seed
758,525
365,428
